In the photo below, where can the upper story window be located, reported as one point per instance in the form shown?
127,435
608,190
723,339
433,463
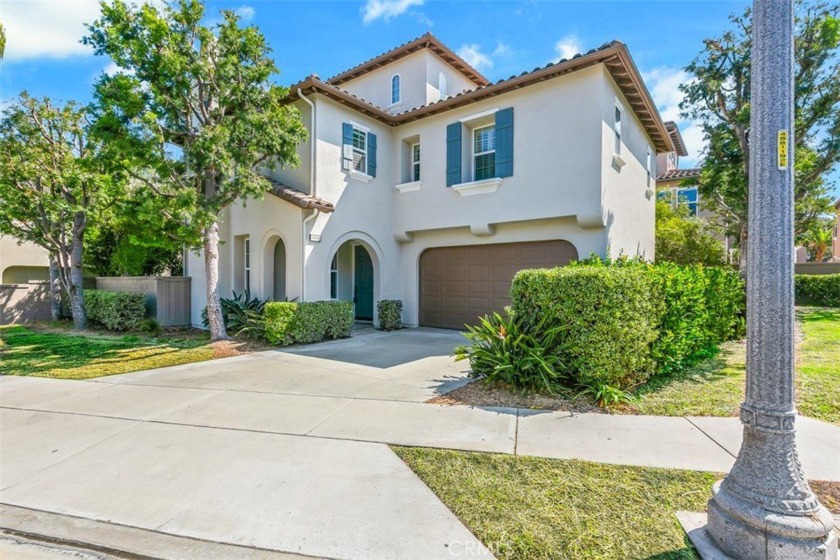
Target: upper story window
415,162
672,161
649,162
442,86
395,89
359,150
689,197
617,128
484,152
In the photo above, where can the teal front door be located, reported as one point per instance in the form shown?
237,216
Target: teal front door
363,284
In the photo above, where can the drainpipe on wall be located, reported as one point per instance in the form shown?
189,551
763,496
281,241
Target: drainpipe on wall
313,137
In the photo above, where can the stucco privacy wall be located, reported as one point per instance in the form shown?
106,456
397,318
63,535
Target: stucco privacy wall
22,262
628,209
557,160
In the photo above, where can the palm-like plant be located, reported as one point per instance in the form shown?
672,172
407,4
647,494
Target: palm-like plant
819,242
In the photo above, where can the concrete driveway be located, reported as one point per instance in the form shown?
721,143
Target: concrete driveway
219,459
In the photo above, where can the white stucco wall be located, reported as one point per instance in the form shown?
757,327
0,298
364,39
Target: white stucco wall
418,72
629,199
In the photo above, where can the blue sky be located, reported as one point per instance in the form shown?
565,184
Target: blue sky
500,38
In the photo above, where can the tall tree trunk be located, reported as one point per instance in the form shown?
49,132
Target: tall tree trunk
55,288
77,295
211,274
742,248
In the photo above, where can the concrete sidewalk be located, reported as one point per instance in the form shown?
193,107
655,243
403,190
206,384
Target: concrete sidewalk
281,454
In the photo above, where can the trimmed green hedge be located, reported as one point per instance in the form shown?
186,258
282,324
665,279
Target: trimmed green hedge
288,323
116,311
627,321
390,314
610,315
818,289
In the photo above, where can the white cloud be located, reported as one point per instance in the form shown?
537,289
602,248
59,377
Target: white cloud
246,13
567,47
501,50
386,9
474,57
38,28
664,84
111,69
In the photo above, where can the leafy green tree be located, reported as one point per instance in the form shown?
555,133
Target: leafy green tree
121,243
2,41
193,118
683,239
50,180
718,96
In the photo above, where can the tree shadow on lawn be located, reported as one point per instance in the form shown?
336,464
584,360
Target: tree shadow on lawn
724,364
27,352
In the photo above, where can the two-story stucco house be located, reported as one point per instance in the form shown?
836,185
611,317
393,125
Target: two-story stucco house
424,182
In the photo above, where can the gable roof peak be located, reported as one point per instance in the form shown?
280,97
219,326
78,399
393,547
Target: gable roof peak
425,41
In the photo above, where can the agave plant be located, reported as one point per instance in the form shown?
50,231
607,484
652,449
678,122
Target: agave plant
242,314
500,349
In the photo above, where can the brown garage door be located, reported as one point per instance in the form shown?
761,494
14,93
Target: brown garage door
460,284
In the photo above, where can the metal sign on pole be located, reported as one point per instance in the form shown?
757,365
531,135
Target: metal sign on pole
764,508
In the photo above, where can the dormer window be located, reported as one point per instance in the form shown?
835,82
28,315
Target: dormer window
442,85
395,89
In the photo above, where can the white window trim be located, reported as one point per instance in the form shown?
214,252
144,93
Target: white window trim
399,90
337,277
408,187
475,116
443,86
415,163
618,128
246,263
360,175
484,186
476,154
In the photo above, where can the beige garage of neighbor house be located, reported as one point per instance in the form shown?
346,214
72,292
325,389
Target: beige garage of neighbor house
422,181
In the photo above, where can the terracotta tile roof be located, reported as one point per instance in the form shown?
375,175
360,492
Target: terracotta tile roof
614,55
676,174
676,138
426,41
299,199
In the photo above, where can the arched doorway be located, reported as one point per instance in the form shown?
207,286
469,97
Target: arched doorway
274,269
352,278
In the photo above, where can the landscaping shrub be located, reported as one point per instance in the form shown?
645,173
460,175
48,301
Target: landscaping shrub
501,350
116,311
287,323
818,289
701,307
279,316
609,316
390,314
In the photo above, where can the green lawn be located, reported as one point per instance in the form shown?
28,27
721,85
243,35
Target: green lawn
531,508
715,387
32,351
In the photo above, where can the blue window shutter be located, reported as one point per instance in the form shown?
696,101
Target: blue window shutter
347,146
453,154
504,142
371,154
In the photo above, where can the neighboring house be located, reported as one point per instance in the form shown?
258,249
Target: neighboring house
22,262
424,182
835,239
674,185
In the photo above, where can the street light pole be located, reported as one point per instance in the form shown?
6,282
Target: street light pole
764,509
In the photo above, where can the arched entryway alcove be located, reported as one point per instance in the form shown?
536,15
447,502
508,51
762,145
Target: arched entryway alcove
274,269
354,276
